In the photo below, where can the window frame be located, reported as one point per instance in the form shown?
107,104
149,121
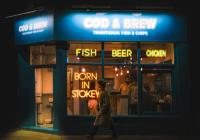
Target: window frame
170,67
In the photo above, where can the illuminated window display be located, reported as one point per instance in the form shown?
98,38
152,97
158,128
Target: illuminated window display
82,92
44,97
122,86
142,55
119,67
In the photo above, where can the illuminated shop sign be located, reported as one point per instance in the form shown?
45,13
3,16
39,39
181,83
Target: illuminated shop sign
156,53
100,26
121,53
85,91
112,26
93,52
115,23
34,29
124,26
86,52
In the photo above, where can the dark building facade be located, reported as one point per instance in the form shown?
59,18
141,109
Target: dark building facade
63,52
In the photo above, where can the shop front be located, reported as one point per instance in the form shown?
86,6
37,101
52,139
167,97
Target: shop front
62,54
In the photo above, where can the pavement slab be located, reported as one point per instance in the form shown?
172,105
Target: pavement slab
33,135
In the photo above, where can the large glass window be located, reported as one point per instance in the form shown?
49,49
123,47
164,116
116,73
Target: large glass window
156,90
42,55
134,85
122,87
44,97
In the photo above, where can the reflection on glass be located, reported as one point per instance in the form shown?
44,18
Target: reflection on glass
122,89
157,53
156,91
84,52
41,55
82,92
118,52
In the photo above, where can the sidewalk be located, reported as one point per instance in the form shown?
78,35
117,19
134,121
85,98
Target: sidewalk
32,135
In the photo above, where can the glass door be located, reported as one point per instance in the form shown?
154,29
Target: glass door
44,97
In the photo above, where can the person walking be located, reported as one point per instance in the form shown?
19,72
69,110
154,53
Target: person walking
103,117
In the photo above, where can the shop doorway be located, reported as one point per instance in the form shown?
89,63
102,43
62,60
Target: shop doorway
44,97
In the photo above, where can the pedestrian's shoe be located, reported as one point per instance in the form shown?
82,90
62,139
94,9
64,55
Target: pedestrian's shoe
90,137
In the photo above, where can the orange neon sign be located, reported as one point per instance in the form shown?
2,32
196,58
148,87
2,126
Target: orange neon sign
85,79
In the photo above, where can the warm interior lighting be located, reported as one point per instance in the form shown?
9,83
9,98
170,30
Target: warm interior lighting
78,58
83,69
127,71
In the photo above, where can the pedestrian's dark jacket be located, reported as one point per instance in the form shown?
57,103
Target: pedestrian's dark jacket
103,117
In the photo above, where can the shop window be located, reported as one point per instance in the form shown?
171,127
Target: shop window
84,52
156,90
44,97
120,65
42,55
122,88
157,53
118,52
82,92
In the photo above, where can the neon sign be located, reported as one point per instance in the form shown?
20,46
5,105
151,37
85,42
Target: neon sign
121,53
156,53
85,93
85,76
86,52
93,52
85,79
